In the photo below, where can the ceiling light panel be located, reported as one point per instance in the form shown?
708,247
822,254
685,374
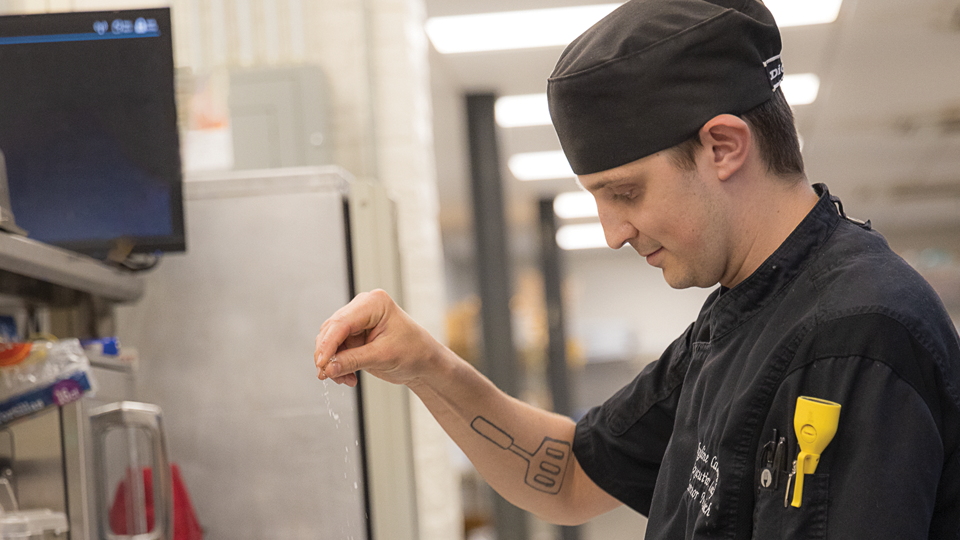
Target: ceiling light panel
540,166
582,236
522,111
801,88
513,29
559,26
803,12
575,204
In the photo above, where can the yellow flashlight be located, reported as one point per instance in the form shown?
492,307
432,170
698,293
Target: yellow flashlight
815,422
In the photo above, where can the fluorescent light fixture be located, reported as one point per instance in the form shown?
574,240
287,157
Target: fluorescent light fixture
514,29
575,204
559,26
803,12
540,165
800,89
582,236
521,111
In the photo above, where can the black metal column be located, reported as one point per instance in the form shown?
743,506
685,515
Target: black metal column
493,269
558,376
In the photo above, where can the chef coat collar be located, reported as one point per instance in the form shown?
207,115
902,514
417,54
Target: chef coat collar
733,307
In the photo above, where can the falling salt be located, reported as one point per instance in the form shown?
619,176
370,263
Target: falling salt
354,485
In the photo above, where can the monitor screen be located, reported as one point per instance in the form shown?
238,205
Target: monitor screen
88,129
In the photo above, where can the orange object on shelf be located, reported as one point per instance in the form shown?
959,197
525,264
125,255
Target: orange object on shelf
14,353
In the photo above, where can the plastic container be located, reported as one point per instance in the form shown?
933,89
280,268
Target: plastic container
33,525
41,374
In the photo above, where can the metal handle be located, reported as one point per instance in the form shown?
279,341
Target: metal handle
131,415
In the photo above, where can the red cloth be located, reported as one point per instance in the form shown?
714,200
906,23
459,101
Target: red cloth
185,524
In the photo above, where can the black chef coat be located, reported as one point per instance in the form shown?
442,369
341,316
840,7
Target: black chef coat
832,314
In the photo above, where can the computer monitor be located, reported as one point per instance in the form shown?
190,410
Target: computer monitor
88,127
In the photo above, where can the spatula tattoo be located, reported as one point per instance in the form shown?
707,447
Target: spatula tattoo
545,466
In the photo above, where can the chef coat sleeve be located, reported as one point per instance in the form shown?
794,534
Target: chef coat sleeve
621,443
884,475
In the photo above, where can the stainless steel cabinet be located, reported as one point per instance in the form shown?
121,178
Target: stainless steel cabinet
225,337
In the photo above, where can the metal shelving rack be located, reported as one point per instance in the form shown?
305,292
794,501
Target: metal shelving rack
41,273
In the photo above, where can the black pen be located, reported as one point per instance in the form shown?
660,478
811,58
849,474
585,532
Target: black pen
778,460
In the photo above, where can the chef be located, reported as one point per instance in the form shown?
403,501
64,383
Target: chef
671,115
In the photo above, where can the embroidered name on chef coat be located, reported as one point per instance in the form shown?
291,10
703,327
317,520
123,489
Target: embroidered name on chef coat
704,479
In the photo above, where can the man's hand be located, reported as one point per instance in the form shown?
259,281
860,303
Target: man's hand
523,452
372,333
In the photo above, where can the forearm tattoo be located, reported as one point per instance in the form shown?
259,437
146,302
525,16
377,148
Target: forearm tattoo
545,467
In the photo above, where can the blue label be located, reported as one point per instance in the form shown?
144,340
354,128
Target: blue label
110,345
8,328
61,392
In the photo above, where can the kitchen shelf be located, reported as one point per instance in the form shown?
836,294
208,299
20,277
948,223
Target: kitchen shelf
49,274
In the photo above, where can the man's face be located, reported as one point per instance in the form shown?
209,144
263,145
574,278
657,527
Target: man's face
673,218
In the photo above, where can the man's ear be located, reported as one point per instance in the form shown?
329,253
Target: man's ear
726,138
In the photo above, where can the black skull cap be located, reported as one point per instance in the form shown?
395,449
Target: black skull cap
650,74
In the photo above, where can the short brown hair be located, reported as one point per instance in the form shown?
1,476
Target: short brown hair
772,125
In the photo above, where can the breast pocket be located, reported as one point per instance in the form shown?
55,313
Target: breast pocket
809,522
